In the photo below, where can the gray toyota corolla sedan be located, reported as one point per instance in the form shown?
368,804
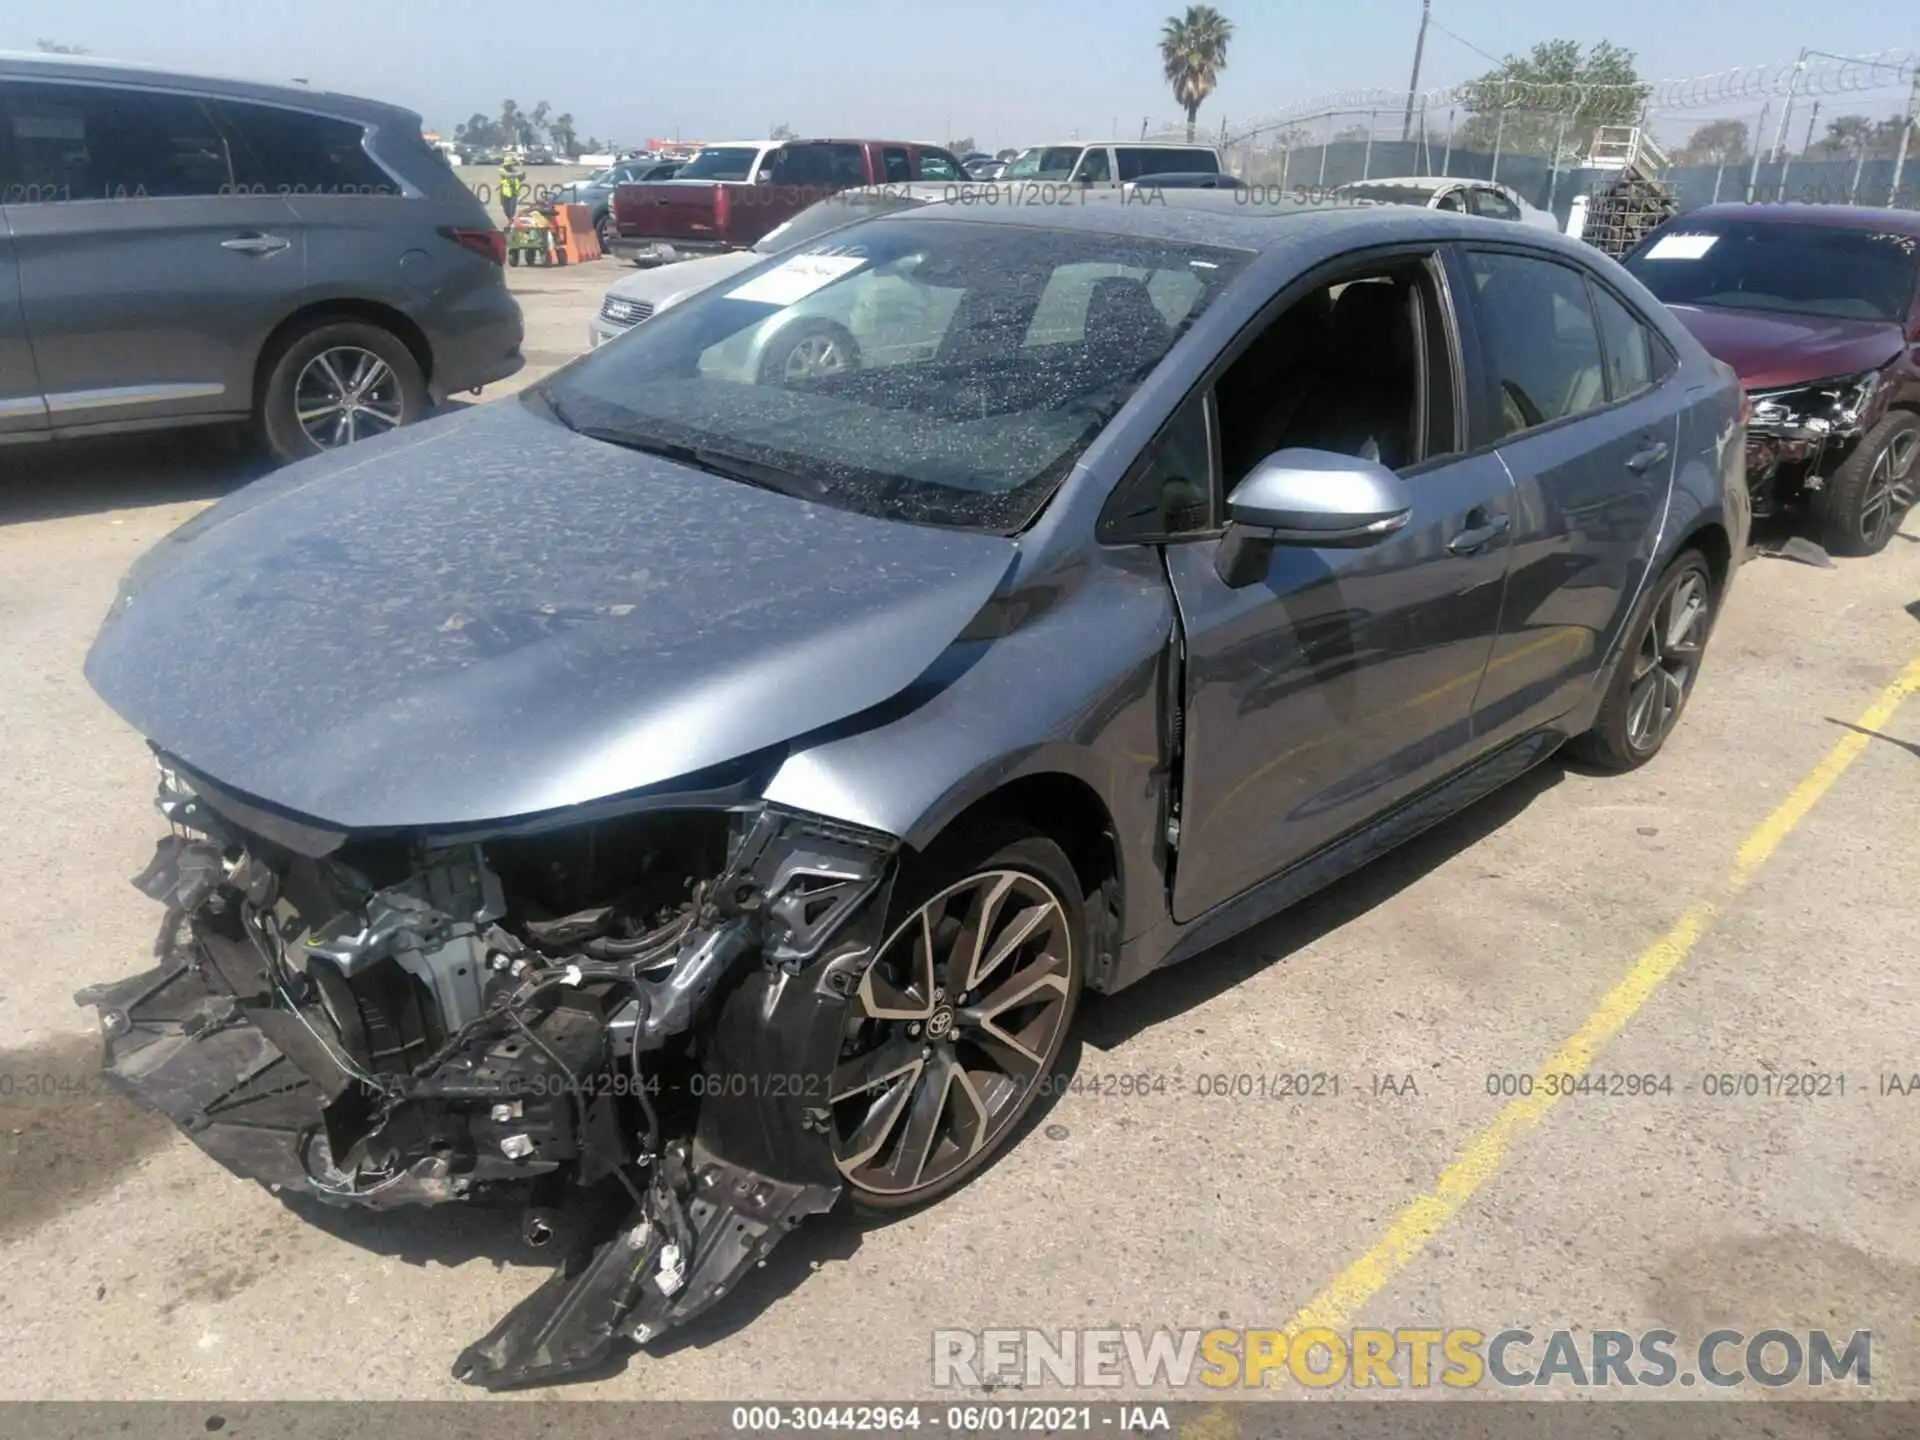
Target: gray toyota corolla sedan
732,817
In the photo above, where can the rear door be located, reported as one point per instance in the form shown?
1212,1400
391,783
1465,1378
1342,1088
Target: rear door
146,291
1574,394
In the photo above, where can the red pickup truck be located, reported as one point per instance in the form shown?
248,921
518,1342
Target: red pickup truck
730,195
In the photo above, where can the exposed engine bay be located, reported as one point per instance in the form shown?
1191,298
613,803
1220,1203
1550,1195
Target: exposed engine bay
1797,435
646,1004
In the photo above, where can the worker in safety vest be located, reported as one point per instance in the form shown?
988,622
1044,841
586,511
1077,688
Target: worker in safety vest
512,184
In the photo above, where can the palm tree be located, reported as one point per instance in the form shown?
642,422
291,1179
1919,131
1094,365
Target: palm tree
564,140
1193,52
511,122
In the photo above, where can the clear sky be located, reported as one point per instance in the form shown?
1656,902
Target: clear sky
1006,72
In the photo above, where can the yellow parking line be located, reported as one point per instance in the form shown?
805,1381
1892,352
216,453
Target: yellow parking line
1481,1158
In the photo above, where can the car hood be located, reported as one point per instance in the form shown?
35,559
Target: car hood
1768,349
488,616
670,284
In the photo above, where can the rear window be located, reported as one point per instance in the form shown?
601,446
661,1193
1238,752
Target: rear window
1138,160
1386,195
1780,265
720,162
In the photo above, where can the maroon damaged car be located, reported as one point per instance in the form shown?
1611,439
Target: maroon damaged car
1817,308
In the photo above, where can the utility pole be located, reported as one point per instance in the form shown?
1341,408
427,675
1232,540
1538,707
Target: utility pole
1906,134
1812,120
1413,85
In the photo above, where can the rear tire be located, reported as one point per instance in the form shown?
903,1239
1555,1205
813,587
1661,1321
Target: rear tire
1861,504
365,375
1653,678
948,1043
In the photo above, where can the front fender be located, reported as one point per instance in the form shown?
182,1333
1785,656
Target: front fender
1069,685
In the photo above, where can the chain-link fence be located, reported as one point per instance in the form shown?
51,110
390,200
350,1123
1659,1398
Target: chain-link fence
1819,129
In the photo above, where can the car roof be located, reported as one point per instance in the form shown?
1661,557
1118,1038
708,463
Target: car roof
1230,220
1832,217
29,65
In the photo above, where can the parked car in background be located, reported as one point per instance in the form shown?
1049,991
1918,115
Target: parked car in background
812,745
1110,164
988,169
1186,180
180,250
730,195
1484,198
1818,309
642,294
596,191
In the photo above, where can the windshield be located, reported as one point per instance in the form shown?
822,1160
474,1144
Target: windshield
1046,161
1781,265
721,162
942,372
830,214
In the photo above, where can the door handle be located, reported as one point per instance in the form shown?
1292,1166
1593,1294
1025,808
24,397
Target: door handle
1646,459
256,244
1476,538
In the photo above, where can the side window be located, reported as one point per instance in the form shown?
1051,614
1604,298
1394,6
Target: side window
1343,369
1093,167
291,152
1630,349
938,165
1541,340
1450,202
95,142
800,165
846,164
1168,493
894,159
1494,206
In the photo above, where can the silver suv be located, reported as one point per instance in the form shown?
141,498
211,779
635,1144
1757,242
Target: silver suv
184,251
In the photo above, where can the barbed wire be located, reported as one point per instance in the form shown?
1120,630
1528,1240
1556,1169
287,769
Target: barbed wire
1813,76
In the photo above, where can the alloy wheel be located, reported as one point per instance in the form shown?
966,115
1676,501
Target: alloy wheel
1889,488
960,1015
814,356
1667,660
345,394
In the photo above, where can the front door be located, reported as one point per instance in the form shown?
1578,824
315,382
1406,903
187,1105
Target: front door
1342,681
148,288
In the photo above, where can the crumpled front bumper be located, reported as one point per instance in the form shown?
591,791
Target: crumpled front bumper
210,1038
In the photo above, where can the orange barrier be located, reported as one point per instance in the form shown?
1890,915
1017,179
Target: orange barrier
575,234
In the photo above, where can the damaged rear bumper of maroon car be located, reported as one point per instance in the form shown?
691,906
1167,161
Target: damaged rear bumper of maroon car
647,1004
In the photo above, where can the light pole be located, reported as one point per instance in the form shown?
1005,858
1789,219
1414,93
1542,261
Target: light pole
1413,85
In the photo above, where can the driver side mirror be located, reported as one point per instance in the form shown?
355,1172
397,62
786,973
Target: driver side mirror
1311,498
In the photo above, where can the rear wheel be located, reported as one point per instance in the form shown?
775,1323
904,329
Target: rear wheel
337,383
959,1019
808,350
1862,503
1655,674
603,228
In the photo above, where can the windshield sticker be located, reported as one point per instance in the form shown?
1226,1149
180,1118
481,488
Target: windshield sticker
795,279
1682,247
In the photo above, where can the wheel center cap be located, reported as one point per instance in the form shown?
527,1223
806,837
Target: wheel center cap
940,1024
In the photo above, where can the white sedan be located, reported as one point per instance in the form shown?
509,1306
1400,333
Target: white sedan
1449,192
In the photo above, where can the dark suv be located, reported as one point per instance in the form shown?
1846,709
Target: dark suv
182,251
1817,308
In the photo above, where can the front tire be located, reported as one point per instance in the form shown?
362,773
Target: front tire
337,383
1655,673
959,1021
808,350
1862,503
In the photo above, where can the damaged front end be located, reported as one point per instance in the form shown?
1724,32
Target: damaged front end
652,1001
1798,434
